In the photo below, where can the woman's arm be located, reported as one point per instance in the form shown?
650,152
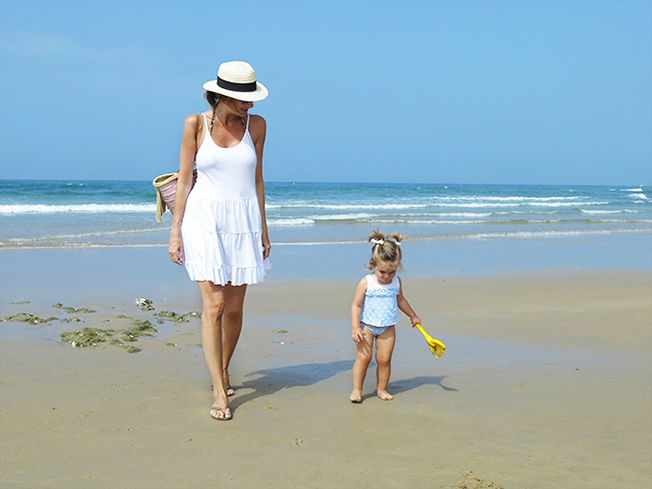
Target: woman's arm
258,131
405,306
184,185
356,310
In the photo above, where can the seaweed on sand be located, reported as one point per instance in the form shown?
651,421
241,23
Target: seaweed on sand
177,318
92,337
86,337
23,317
72,310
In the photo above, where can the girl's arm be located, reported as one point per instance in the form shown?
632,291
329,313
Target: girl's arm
356,309
258,131
405,306
184,185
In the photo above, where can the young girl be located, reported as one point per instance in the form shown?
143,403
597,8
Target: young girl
374,313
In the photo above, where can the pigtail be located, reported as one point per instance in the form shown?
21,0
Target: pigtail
385,249
396,237
377,238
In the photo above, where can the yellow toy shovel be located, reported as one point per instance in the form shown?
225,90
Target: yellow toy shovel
436,347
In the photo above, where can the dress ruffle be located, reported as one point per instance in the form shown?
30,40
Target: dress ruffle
382,292
222,241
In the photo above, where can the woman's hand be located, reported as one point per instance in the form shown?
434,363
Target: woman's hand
267,246
175,248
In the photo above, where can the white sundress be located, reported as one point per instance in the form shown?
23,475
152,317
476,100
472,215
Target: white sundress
222,224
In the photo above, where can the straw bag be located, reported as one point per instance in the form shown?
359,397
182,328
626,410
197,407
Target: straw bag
166,184
166,191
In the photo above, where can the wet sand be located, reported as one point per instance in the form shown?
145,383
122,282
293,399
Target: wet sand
546,382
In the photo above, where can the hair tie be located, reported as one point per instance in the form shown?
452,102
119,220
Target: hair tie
397,243
378,241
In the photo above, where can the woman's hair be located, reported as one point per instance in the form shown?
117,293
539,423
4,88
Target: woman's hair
214,98
385,249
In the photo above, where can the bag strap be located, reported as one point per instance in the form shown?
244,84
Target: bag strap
200,127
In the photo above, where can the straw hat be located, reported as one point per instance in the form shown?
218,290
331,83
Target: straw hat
237,79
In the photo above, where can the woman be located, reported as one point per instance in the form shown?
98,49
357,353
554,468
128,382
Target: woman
219,231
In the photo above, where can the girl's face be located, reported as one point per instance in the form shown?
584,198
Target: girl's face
385,272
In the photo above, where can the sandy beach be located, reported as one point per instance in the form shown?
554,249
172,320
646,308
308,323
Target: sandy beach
546,382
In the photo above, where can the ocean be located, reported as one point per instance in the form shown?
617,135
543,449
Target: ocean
67,214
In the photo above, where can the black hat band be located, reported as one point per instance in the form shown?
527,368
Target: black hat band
236,87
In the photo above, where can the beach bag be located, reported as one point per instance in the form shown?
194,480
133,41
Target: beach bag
166,184
166,191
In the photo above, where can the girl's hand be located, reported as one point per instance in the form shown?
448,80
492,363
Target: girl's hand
415,320
175,248
357,335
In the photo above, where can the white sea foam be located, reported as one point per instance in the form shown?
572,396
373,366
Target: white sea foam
290,222
550,234
445,202
344,207
513,198
464,214
8,209
342,217
620,211
426,221
97,234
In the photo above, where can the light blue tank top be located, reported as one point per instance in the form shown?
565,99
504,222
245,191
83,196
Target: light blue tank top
380,306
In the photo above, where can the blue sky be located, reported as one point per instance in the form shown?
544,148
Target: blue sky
523,92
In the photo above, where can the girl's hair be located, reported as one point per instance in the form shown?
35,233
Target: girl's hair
385,249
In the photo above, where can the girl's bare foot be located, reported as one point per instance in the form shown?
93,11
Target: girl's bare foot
385,396
355,397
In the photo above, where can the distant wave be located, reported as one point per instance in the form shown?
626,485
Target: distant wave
492,235
551,234
7,209
290,222
470,203
66,238
513,198
428,220
601,211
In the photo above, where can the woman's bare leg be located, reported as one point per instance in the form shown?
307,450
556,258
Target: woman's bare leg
384,349
213,303
364,351
231,326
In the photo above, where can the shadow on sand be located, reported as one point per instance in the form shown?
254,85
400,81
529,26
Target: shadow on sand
270,381
405,385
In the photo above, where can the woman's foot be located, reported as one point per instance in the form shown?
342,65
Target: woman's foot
230,391
385,396
221,413
220,409
355,397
